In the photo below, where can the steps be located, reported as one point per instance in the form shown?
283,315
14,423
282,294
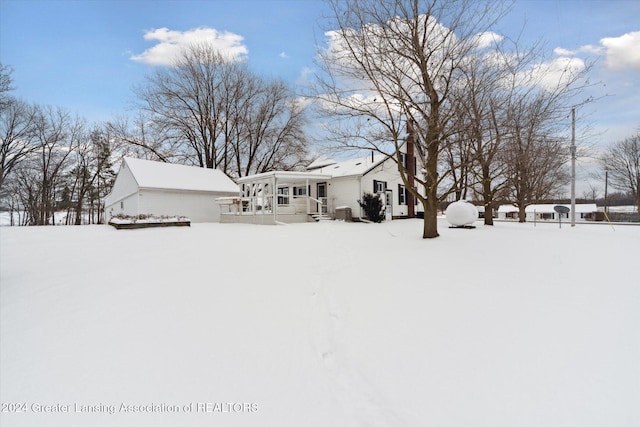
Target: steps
317,217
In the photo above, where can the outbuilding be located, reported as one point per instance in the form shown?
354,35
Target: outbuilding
157,188
542,212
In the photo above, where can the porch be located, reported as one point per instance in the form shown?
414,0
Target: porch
277,197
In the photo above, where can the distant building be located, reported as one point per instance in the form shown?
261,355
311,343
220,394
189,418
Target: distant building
546,212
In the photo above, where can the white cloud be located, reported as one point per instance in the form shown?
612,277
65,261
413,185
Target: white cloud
305,77
283,55
553,74
623,52
171,44
487,39
589,48
564,52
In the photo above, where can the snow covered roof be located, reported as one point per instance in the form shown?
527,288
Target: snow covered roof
548,208
168,176
321,162
359,166
285,176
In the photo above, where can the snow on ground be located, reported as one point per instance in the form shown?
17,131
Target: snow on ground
327,324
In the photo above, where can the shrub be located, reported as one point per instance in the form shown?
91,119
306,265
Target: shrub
372,206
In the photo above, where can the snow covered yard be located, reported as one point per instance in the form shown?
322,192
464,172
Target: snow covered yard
328,324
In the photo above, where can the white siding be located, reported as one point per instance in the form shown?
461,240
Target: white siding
345,192
126,206
124,185
387,171
198,206
129,197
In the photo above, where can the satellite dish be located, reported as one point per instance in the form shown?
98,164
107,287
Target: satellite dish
561,209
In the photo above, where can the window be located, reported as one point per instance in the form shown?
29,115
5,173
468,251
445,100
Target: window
403,159
299,191
402,194
379,186
283,198
415,199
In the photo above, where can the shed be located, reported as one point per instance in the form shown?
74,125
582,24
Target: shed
157,188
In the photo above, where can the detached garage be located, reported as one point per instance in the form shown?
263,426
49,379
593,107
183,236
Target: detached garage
148,187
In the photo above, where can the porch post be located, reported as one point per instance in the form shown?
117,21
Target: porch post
253,199
275,198
307,190
263,199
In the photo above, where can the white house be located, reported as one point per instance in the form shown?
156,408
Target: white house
148,187
538,212
375,174
326,187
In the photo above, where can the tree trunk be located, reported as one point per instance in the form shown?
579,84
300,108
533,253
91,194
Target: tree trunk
488,213
79,210
430,224
430,230
522,214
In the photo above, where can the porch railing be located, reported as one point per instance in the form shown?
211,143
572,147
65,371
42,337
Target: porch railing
263,205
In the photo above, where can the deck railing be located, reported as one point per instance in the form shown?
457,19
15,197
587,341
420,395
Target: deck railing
263,205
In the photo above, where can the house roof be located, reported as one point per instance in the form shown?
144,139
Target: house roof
320,162
548,208
359,166
168,176
285,176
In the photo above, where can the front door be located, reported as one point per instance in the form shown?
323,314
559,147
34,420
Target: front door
322,197
388,209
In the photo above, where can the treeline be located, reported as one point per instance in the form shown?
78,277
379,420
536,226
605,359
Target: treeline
52,163
206,110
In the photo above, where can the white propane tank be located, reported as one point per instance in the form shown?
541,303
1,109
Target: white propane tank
461,213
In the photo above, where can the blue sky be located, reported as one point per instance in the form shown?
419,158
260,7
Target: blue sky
80,55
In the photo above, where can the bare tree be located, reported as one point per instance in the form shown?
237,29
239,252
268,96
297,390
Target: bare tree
141,137
17,128
5,83
90,175
393,62
481,101
271,135
57,135
214,112
622,160
536,147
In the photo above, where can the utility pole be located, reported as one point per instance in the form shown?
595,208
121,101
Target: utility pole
573,167
606,185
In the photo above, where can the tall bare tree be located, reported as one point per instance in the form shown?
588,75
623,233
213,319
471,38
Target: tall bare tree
622,160
536,147
392,62
90,175
214,112
57,135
